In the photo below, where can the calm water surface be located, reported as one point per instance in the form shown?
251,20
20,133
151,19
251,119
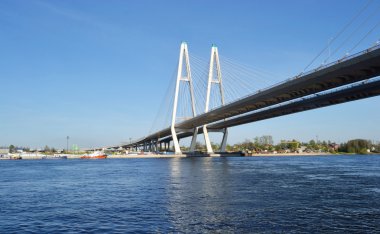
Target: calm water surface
237,195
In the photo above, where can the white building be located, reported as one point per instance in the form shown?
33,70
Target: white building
4,151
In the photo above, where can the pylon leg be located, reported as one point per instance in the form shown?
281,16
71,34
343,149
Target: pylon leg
207,140
224,141
177,149
194,140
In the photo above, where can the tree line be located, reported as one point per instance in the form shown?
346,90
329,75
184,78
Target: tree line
265,144
13,149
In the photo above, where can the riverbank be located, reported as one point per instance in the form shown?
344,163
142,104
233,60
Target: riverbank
292,154
126,156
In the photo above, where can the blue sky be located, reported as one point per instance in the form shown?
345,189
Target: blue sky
97,70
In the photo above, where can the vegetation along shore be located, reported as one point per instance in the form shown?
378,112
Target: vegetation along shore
258,146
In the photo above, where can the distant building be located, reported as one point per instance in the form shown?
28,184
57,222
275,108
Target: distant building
301,149
4,151
334,146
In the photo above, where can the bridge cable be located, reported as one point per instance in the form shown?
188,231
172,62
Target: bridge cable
339,33
365,36
352,34
164,103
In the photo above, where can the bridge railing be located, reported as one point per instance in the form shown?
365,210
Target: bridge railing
344,58
303,74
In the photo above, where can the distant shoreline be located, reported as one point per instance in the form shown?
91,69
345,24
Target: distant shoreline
126,156
292,154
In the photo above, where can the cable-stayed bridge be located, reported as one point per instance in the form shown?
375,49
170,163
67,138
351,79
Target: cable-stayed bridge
350,78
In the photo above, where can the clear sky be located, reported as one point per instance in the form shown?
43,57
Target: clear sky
97,70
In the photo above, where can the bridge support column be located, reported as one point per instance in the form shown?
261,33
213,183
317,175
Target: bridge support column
177,149
183,75
223,145
154,146
207,140
194,140
214,79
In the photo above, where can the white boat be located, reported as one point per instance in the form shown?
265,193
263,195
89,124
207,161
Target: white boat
95,155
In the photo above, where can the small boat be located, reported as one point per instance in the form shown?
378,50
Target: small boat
95,155
15,157
54,157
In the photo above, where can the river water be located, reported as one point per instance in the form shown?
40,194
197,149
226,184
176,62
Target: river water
192,195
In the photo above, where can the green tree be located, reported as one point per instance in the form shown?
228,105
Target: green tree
313,145
356,146
229,147
293,145
47,149
266,140
12,149
200,147
184,148
215,147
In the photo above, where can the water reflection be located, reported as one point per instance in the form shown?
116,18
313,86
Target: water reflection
199,193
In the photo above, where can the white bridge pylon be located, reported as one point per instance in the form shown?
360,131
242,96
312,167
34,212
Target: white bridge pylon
214,78
181,77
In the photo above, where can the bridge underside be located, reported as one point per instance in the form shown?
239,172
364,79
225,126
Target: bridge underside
354,93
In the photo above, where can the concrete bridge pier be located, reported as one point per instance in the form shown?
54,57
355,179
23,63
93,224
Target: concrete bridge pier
208,142
145,148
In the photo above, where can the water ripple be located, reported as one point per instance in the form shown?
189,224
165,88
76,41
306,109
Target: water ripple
192,195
